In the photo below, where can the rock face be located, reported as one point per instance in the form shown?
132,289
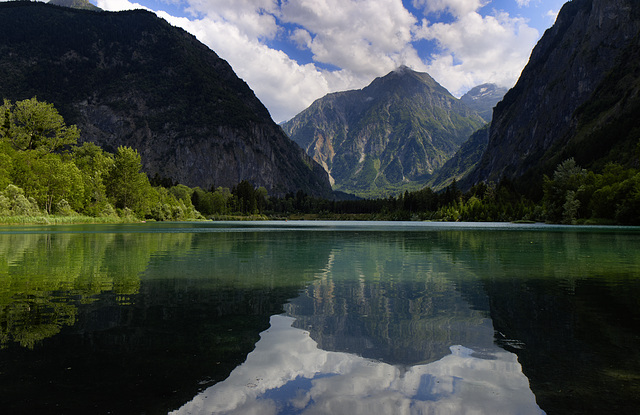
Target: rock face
391,135
483,98
463,162
538,119
130,78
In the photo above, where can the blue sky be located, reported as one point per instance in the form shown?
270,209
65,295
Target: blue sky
292,52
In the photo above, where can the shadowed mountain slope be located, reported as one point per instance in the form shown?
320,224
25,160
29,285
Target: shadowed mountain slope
130,78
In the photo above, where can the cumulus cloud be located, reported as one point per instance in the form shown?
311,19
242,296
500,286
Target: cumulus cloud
116,5
552,15
455,7
362,37
476,49
351,42
288,359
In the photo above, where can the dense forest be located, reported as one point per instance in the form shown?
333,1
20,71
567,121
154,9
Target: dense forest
45,174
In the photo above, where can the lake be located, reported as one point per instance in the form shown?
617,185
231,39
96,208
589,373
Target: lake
319,318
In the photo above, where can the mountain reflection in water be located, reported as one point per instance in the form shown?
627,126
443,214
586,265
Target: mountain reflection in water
288,373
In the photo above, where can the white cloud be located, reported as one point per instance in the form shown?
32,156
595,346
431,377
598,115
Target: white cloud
455,7
523,3
478,49
116,5
342,383
302,38
364,39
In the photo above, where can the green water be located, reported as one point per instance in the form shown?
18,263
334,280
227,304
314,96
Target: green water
319,317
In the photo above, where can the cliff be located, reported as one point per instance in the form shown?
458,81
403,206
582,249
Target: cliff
551,112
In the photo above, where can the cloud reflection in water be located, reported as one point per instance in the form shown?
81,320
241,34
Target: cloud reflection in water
288,374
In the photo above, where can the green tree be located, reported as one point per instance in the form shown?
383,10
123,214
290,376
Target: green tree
222,199
6,164
35,125
48,179
246,196
14,202
95,166
560,199
126,185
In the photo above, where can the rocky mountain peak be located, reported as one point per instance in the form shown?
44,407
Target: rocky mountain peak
483,98
76,4
387,137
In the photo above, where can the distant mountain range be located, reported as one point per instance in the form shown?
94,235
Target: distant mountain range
130,78
391,135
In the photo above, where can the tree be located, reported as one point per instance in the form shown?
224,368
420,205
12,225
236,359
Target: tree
126,185
246,197
35,125
95,166
561,192
48,179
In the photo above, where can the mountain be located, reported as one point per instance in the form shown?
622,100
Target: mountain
130,78
483,98
577,97
463,162
75,4
387,137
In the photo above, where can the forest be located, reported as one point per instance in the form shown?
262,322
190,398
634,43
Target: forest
46,176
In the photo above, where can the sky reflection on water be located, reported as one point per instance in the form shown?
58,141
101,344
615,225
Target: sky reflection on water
288,374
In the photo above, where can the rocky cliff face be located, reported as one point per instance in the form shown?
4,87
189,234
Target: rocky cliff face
130,78
387,137
538,116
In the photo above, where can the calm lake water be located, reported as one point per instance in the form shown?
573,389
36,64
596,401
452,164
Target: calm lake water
319,318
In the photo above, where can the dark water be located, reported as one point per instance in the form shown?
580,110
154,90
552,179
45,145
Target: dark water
319,318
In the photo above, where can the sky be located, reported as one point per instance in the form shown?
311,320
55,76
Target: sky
292,52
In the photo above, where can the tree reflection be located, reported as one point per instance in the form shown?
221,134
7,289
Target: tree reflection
45,277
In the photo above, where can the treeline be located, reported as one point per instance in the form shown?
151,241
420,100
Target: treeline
572,195
43,171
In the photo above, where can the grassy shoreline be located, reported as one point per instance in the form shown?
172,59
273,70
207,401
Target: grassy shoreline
61,220
80,219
